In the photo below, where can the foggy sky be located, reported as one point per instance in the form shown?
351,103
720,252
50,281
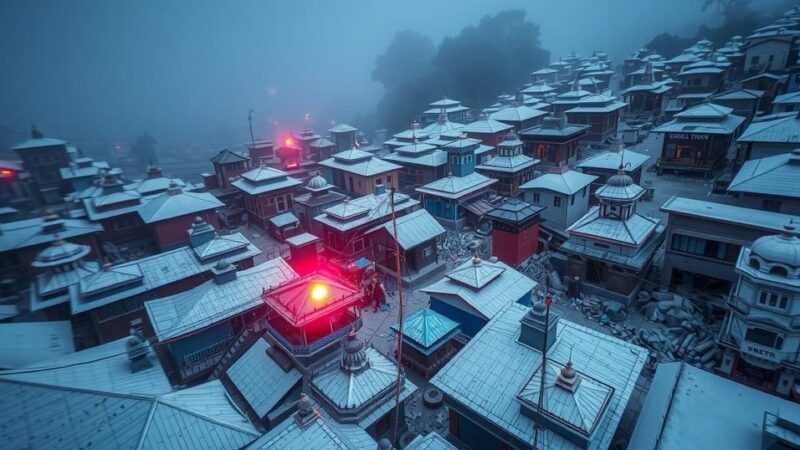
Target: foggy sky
189,71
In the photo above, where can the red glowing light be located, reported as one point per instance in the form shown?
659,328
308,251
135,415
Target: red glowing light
288,141
548,300
6,173
319,292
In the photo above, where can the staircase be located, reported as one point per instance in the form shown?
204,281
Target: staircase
246,337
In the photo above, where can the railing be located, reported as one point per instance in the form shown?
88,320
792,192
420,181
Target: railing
205,358
308,349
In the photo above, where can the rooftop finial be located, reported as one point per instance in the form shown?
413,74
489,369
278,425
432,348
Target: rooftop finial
36,133
354,358
568,378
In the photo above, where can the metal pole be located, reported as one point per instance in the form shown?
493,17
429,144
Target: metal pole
250,120
547,302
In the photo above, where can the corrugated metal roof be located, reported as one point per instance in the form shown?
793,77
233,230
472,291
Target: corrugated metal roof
444,102
104,367
341,128
366,168
632,231
439,127
38,143
260,380
682,397
486,126
157,270
415,228
434,158
322,143
430,441
740,94
321,434
567,183
226,156
301,239
612,161
505,287
40,416
718,212
26,343
284,219
774,175
502,163
448,109
426,327
212,303
209,399
349,390
515,211
486,375
155,185
456,187
703,119
517,114
779,128
30,232
583,409
167,205
790,98
364,210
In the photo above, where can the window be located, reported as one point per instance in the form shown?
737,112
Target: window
778,270
583,191
571,200
771,205
764,337
557,202
773,299
378,181
704,247
755,60
358,245
281,203
427,251
754,263
535,197
389,180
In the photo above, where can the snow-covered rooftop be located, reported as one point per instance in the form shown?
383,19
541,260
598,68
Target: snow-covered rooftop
487,374
567,183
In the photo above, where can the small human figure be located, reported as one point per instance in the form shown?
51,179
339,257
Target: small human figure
378,294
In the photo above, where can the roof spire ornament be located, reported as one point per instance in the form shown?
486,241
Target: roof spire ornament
354,358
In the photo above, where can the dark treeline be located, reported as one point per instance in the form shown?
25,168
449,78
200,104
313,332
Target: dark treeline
493,57
739,17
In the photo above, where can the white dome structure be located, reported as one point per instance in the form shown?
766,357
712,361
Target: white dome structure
777,254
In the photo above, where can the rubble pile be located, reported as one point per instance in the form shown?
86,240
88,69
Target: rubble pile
456,246
539,269
673,329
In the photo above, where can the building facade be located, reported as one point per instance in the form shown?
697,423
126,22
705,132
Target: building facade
761,333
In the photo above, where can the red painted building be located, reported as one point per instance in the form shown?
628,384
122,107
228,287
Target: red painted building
170,214
554,142
515,231
489,131
228,166
266,192
601,113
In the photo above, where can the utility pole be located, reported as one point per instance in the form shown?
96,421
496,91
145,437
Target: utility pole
250,120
